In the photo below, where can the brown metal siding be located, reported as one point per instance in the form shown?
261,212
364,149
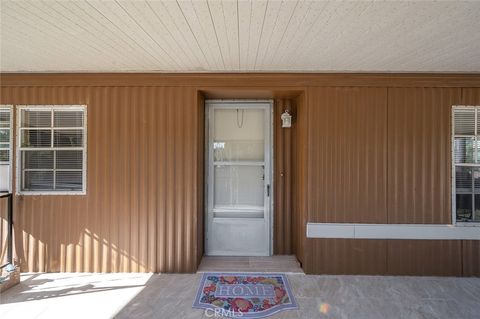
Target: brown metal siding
141,204
299,194
199,222
143,211
283,179
347,155
346,256
425,257
419,152
412,170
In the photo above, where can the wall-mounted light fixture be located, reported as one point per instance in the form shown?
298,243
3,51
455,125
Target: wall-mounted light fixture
286,119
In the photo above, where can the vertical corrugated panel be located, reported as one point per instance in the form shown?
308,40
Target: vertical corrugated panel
140,211
347,155
419,154
283,179
347,152
471,249
419,173
199,218
425,257
346,256
471,257
299,194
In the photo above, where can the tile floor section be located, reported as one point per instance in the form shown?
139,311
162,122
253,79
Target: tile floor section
285,264
80,295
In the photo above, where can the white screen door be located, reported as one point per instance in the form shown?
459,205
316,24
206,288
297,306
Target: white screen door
238,178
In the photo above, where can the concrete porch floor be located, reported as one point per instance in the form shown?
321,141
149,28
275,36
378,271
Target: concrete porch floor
121,295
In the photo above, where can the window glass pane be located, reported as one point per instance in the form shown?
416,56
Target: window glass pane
37,181
69,159
68,118
4,155
4,119
36,118
36,138
68,138
238,151
463,179
4,136
50,169
476,179
464,207
37,159
239,135
477,208
464,122
239,186
463,149
69,180
4,145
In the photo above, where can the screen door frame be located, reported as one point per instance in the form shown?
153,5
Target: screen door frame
210,106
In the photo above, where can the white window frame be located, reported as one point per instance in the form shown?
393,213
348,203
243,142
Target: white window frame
454,165
9,108
51,108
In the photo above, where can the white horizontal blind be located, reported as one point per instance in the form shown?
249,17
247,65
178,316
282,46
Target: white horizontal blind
52,149
466,164
5,148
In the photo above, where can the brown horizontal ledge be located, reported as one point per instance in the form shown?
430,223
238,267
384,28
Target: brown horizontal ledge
394,231
246,80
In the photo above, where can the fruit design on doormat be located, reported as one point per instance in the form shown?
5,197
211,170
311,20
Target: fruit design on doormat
245,295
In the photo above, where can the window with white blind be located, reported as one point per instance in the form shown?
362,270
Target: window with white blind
466,163
5,148
51,149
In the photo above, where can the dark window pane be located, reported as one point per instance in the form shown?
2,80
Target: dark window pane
68,118
37,159
464,207
476,179
36,118
68,138
4,136
463,149
464,122
4,155
69,159
36,138
4,119
38,181
69,181
477,208
463,179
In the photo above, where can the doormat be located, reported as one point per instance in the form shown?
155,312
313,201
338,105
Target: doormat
244,295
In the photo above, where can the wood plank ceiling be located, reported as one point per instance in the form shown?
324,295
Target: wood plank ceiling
245,36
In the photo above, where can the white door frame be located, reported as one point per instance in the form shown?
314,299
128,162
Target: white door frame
210,106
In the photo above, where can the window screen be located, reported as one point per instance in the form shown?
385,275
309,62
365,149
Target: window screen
466,163
5,148
52,149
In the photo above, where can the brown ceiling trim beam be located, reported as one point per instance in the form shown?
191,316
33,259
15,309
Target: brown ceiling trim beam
241,79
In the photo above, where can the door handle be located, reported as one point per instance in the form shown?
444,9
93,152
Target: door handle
268,190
